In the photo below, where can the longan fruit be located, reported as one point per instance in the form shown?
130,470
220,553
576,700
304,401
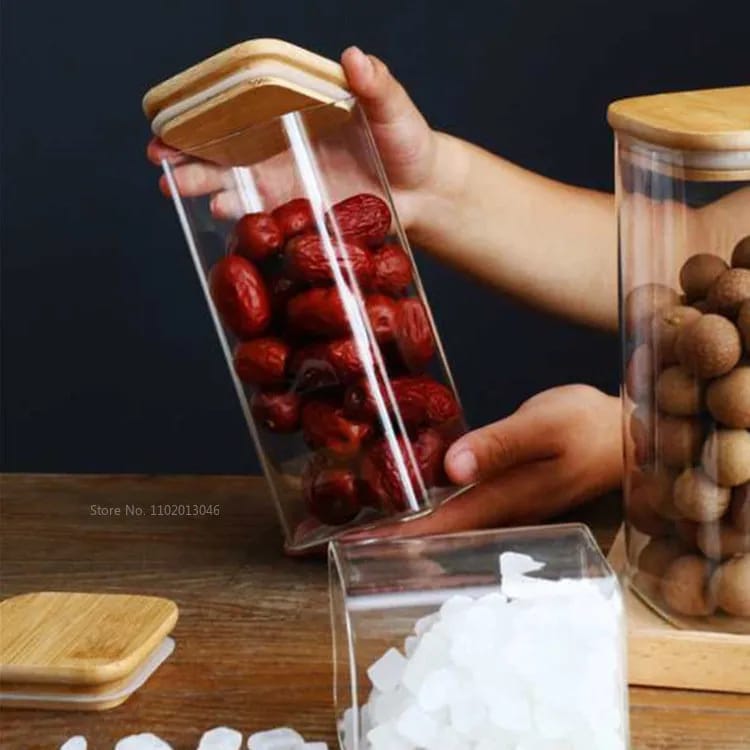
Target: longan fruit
698,498
729,291
658,555
640,374
726,457
665,327
679,392
641,429
731,584
728,398
685,586
657,488
741,254
643,302
709,347
719,541
743,323
678,441
699,273
639,509
739,510
687,533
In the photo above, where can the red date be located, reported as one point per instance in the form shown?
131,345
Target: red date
414,338
256,236
276,411
389,483
308,260
325,426
295,217
382,312
419,400
393,271
332,494
319,312
262,362
240,296
364,217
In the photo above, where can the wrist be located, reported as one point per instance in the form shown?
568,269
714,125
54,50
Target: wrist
440,192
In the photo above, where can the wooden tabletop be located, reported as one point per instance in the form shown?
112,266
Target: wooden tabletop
253,644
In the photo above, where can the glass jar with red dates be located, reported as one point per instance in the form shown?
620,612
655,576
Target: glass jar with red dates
683,193
322,318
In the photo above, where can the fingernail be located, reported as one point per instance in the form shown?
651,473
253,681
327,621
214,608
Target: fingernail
463,465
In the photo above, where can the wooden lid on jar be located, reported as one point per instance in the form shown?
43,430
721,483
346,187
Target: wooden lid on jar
710,120
207,109
691,135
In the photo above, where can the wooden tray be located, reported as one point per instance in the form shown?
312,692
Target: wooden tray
662,655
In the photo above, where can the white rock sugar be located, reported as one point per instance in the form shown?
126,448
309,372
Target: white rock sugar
282,738
145,741
535,665
221,738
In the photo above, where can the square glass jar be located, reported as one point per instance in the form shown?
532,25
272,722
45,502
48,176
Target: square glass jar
683,198
322,318
433,643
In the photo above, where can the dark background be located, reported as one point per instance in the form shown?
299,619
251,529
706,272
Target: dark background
109,360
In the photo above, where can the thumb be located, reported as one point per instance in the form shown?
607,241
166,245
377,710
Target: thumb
383,97
490,450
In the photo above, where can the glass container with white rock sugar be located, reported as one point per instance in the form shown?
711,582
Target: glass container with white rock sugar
683,195
479,640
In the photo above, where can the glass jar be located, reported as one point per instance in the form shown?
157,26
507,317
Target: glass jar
322,319
683,196
474,638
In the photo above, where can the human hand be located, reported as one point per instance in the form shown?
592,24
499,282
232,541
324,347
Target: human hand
561,448
409,148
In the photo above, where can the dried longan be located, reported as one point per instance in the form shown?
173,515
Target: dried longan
685,586
726,457
728,398
699,273
643,302
709,347
679,392
698,498
731,584
718,541
741,254
678,440
729,291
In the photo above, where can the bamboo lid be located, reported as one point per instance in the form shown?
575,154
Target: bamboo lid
710,120
53,638
211,109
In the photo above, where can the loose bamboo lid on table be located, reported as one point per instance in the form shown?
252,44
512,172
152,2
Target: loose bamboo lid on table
83,651
702,135
207,109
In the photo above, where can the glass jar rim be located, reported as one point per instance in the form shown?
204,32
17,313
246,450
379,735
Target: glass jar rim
714,166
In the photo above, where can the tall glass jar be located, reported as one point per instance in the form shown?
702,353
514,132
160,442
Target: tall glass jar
683,195
322,319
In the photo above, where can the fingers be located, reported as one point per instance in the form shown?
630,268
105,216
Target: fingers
383,97
522,437
524,495
198,178
157,151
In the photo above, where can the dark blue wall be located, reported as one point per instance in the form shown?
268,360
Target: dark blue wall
109,360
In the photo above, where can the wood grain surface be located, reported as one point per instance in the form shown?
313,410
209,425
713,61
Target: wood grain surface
710,120
253,643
